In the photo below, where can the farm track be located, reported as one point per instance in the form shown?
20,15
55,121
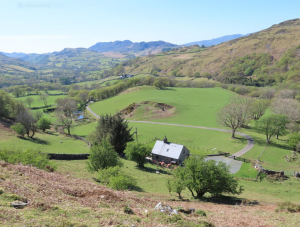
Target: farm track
248,147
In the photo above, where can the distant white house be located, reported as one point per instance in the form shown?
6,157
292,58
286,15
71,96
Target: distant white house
166,152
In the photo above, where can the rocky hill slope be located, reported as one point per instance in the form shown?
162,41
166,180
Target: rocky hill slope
54,199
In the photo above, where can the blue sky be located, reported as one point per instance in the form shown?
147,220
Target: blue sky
41,26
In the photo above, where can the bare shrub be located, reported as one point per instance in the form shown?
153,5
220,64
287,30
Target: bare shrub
287,107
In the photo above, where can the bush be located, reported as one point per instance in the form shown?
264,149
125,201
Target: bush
29,157
44,124
19,129
200,213
137,152
102,156
1,191
115,178
288,206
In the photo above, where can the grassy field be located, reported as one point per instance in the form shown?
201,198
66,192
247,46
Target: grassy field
187,113
192,109
148,181
39,103
50,142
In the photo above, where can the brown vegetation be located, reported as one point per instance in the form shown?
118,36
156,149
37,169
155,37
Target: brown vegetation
46,191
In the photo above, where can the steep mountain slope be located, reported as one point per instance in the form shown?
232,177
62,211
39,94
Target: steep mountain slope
127,46
215,41
275,41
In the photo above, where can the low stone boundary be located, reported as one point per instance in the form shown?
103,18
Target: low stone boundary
68,156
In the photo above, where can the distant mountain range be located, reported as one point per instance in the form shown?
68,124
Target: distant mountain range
127,46
215,41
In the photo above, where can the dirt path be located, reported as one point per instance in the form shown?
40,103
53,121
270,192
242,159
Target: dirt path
247,148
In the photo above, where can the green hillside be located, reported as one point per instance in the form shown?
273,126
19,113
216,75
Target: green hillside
276,42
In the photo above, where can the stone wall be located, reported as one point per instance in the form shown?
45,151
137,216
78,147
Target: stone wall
68,156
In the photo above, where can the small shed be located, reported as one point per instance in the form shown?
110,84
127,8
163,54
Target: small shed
169,153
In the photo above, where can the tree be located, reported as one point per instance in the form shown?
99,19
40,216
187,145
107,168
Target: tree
268,93
196,74
29,101
137,152
102,156
28,120
258,108
177,184
7,104
44,98
19,129
38,114
294,140
17,92
234,115
116,128
201,176
288,107
248,71
65,112
161,83
271,125
46,91
43,124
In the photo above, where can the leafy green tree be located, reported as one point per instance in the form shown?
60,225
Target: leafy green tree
19,129
294,140
43,124
248,71
116,129
177,184
272,125
197,74
201,177
137,152
17,92
6,104
102,156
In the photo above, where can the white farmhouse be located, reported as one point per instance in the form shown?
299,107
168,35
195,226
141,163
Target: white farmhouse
166,152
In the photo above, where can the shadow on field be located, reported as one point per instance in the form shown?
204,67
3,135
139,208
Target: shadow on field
228,200
137,188
35,140
274,142
152,170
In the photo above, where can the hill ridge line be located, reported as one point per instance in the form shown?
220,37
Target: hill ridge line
248,147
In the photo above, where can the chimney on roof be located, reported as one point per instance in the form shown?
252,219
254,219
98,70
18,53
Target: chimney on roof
165,140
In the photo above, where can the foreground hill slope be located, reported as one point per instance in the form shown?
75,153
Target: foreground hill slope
275,40
58,200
